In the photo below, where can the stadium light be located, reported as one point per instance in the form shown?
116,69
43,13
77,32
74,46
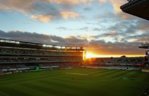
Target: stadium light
10,41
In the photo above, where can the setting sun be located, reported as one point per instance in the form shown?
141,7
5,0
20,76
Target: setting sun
91,55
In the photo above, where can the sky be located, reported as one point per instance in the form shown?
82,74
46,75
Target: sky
98,25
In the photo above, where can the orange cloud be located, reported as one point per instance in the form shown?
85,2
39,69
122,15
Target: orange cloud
69,14
116,5
19,5
72,2
42,18
102,1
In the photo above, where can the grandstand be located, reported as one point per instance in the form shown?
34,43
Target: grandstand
123,62
21,56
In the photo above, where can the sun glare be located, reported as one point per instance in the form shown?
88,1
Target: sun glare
91,55
88,55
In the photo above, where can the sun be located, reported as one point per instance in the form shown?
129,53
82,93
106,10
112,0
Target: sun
90,55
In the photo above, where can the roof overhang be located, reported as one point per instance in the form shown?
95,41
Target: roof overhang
138,8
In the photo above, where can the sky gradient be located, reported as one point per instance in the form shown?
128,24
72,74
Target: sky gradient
98,25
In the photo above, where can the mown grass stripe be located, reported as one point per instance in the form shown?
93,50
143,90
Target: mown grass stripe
98,82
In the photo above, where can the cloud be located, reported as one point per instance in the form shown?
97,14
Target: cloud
98,46
25,36
116,8
42,18
61,28
142,38
18,5
118,48
122,30
70,2
75,41
109,34
84,28
69,14
58,9
43,10
103,1
41,38
97,29
116,4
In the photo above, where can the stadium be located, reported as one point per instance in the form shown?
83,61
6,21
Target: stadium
38,69
35,69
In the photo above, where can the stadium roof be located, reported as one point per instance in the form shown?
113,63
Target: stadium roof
138,8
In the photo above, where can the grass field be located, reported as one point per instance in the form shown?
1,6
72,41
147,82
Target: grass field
75,82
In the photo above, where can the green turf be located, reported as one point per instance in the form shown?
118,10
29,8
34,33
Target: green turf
75,82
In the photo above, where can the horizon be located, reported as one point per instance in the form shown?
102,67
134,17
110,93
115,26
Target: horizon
90,55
